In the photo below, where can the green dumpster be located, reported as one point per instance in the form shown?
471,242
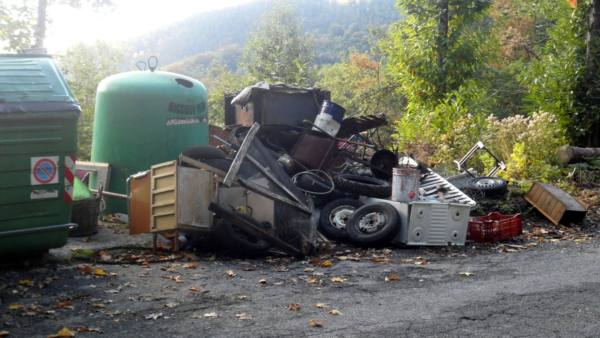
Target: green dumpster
38,140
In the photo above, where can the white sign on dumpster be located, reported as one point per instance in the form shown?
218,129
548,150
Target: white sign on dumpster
44,170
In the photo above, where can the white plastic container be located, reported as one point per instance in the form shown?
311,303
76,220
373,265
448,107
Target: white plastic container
326,123
405,184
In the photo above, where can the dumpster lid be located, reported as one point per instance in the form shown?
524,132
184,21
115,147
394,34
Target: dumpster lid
33,84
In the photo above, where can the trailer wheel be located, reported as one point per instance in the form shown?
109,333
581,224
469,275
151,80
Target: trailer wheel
362,185
237,241
489,186
335,216
373,224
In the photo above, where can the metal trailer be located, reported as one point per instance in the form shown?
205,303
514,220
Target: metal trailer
188,195
437,219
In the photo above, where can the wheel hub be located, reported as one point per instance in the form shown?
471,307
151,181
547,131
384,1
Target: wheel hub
371,222
339,216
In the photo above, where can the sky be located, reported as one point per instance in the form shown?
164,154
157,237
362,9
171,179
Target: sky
126,19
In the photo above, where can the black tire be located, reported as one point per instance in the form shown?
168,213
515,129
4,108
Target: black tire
334,217
364,230
362,185
201,153
237,241
489,186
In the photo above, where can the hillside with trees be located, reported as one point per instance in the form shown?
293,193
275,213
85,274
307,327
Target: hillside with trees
334,28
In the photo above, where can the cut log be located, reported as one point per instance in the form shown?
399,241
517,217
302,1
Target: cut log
568,154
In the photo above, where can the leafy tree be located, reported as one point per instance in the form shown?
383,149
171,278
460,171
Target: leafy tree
15,27
19,30
278,51
84,66
361,86
220,81
438,57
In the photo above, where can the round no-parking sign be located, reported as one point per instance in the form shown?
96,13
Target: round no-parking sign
44,170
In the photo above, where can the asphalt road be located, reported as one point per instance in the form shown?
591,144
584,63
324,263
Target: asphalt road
552,290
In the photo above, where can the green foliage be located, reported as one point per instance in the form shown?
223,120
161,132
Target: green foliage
445,101
16,27
220,81
360,85
552,77
527,144
84,66
279,51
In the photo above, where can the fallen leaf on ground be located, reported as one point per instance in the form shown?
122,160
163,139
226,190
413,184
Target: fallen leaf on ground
321,305
176,279
65,304
309,270
154,316
100,272
26,282
312,280
190,266
15,307
392,277
211,315
466,274
105,256
194,289
326,264
243,316
84,329
294,307
315,323
85,269
63,333
4,334
335,312
230,273
420,261
338,279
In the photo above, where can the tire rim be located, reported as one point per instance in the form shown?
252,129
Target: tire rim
487,182
339,216
372,222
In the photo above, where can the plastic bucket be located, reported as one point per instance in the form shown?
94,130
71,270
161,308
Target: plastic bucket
326,123
335,110
85,215
405,184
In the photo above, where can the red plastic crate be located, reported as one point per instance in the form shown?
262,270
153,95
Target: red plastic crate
494,227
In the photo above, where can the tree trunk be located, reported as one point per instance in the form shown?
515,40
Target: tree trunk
590,89
40,28
442,45
568,154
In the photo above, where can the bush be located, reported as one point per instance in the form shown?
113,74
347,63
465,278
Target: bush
527,145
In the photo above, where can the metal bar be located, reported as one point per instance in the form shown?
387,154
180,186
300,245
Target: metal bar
265,171
263,191
270,176
240,155
201,165
20,232
110,194
251,228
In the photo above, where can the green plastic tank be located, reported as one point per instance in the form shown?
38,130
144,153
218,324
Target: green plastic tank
143,118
